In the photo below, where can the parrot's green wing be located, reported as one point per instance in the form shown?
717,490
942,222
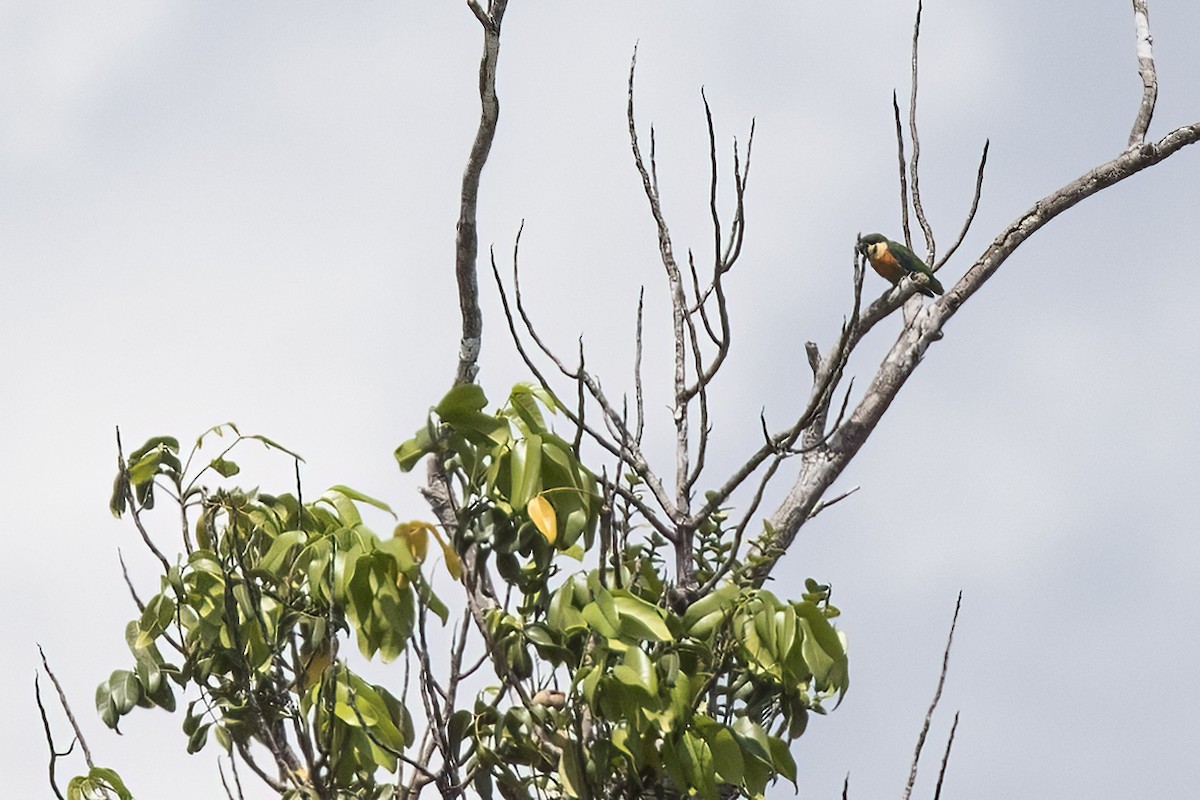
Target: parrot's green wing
911,263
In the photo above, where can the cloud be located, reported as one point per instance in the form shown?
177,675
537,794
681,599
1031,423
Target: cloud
56,57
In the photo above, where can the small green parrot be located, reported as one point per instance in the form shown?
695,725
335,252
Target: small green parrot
893,261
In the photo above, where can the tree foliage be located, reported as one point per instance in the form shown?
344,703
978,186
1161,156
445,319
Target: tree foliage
600,687
572,623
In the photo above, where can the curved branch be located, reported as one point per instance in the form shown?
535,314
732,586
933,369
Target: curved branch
930,247
1146,71
974,207
466,248
817,474
908,350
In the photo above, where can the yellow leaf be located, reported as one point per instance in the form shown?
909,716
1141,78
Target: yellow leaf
314,663
541,513
416,535
453,562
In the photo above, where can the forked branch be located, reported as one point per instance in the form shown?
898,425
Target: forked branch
817,475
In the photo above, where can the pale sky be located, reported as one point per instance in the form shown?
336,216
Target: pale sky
226,211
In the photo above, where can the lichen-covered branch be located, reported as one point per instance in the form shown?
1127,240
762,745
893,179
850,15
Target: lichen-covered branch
466,250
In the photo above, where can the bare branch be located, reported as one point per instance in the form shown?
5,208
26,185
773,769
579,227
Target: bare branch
712,183
680,322
66,707
903,168
946,759
1146,71
937,697
817,475
137,601
930,247
37,696
638,394
276,786
580,399
974,207
237,781
625,445
827,375
824,504
466,249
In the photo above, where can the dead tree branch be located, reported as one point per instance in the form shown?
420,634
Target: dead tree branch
466,249
62,699
1146,71
930,247
937,698
817,474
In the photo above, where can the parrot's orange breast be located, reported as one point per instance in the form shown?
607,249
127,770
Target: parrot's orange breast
887,266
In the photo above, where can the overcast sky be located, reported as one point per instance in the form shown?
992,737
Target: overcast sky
227,211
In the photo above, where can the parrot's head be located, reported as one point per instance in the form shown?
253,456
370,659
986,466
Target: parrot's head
872,244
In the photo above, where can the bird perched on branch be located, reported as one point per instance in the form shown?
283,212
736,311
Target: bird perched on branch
894,261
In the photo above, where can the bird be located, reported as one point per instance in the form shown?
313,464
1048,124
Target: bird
894,261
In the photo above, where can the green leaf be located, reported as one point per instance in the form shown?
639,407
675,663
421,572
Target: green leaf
601,615
117,696
704,616
271,444
383,612
198,738
279,554
100,782
525,470
375,713
571,773
361,498
458,729
782,760
638,673
463,399
157,615
224,467
727,756
823,650
167,442
640,619
410,453
462,410
524,402
697,762
754,740
119,494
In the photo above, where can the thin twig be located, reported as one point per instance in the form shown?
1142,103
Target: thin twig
137,601
903,167
62,700
680,325
824,504
937,697
974,207
622,444
638,395
37,695
945,759
237,781
930,247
